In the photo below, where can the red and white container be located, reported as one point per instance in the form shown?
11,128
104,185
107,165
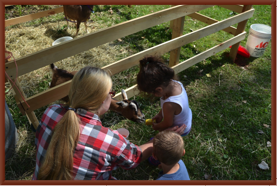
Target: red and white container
258,39
124,132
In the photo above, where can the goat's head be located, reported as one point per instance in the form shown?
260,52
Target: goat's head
60,76
130,109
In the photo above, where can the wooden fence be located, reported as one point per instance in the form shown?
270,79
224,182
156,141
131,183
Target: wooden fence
175,15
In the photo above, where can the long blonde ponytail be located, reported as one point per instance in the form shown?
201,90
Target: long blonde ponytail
89,89
58,161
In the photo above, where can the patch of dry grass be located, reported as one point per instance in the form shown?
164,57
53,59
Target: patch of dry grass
24,40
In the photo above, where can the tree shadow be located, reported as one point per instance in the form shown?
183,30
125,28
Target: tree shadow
55,34
138,41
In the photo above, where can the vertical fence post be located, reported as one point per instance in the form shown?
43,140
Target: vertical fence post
171,22
177,26
30,115
240,29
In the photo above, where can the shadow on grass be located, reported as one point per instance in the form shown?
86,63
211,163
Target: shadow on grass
55,34
141,40
236,109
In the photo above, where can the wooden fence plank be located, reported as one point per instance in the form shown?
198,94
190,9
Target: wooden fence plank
132,91
19,95
240,29
58,52
208,20
177,27
60,91
31,17
175,43
171,22
210,52
44,98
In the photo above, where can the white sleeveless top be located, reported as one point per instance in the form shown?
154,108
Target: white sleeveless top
185,116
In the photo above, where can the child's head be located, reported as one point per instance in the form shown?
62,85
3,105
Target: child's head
168,147
153,73
89,88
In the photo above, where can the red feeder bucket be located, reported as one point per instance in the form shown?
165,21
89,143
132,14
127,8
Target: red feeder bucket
242,51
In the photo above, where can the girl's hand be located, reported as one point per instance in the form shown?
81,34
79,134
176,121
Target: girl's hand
155,126
158,118
177,129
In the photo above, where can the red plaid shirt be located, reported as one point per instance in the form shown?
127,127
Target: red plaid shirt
99,150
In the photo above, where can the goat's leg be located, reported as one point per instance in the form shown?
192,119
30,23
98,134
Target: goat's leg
66,22
86,26
77,27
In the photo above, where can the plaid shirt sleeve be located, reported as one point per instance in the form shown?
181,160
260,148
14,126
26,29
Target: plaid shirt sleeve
129,155
102,150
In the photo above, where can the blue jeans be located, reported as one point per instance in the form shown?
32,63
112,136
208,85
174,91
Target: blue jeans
186,133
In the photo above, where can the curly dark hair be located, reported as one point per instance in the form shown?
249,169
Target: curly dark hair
153,73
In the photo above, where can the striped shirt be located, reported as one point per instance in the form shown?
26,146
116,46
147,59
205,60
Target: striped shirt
99,149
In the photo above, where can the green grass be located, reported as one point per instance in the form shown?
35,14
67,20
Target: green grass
229,107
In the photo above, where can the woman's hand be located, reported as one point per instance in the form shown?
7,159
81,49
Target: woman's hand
177,129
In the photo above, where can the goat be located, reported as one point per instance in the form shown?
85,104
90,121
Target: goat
128,109
80,13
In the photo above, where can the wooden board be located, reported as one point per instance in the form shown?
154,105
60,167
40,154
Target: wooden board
46,97
62,90
177,27
132,91
19,97
208,20
210,52
58,52
162,48
240,29
31,17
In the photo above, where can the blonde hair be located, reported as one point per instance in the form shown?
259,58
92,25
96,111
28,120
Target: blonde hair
89,88
168,147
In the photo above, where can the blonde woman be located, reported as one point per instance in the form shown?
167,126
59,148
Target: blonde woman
71,141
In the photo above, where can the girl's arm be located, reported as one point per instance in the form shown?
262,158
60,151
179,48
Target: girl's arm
158,117
169,110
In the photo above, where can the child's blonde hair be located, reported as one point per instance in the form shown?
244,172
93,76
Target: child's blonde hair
89,88
168,147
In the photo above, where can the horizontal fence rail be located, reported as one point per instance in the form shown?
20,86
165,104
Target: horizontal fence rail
60,91
31,17
208,20
175,15
132,91
58,52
